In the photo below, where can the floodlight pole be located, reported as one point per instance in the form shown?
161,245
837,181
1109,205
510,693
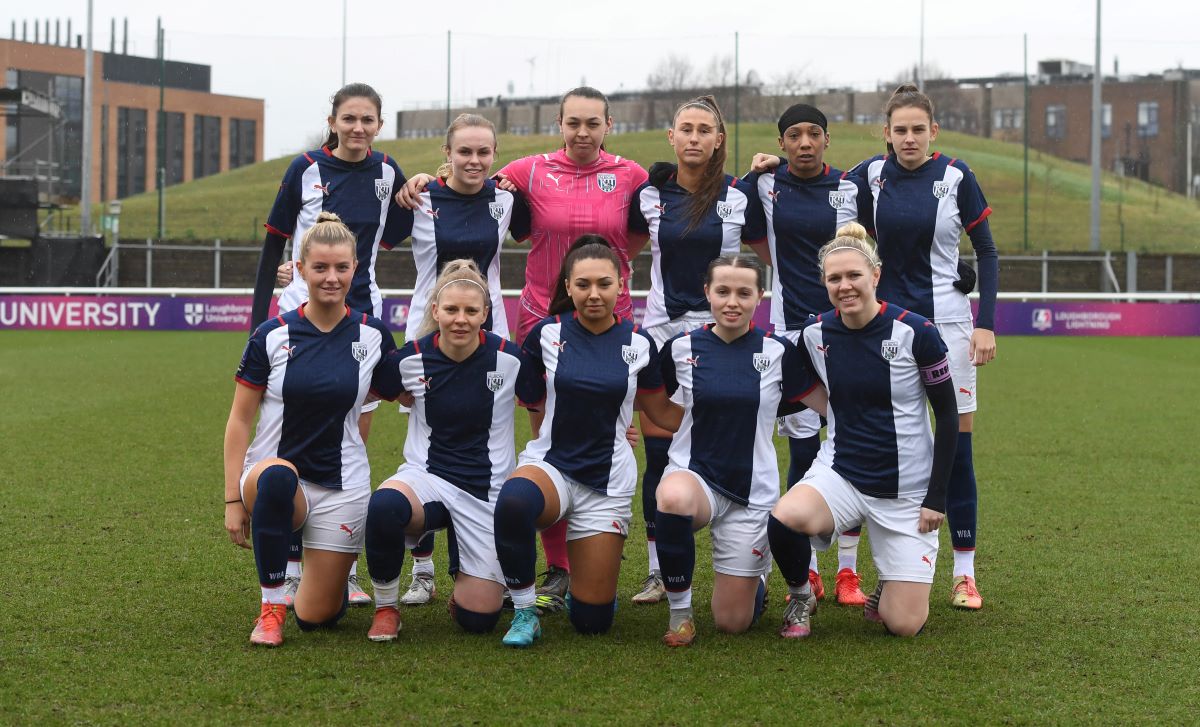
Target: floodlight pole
160,168
85,206
447,78
1096,82
1025,134
921,52
737,88
344,42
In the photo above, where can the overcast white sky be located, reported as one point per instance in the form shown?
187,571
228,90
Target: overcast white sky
290,53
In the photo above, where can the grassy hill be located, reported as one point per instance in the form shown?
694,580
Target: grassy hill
233,206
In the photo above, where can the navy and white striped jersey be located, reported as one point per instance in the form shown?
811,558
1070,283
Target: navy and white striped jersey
919,218
878,436
590,382
731,394
361,194
802,215
681,257
449,225
313,385
461,425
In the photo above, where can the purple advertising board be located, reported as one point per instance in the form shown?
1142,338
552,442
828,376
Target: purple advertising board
232,313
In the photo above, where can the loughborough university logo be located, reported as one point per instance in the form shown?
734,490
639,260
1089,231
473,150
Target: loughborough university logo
193,313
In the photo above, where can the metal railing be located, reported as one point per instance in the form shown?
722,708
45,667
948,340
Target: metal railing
1107,278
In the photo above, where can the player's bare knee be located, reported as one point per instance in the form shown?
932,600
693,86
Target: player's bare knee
733,623
673,497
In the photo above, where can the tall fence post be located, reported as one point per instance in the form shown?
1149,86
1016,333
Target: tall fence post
149,263
217,263
1045,271
1131,271
1169,272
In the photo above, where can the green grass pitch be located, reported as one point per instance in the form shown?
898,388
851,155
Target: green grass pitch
121,600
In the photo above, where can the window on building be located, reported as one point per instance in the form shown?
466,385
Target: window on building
131,151
206,146
1147,118
1007,118
1105,121
241,142
1056,121
173,159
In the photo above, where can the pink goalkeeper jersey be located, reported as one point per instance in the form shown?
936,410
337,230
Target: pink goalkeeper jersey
565,201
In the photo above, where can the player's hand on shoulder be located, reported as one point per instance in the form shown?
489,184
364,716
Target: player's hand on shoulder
237,523
284,274
930,521
503,182
763,162
983,346
408,195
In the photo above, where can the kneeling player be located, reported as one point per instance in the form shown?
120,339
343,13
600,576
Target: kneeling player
458,451
732,378
305,374
880,464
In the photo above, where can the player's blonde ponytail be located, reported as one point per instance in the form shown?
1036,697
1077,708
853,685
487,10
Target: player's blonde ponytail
850,236
328,230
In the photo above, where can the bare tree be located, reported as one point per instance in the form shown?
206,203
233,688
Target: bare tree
719,72
673,73
795,81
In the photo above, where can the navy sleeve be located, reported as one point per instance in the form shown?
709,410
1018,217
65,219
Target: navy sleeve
637,221
385,378
532,347
755,229
945,441
399,221
650,378
264,278
798,378
282,219
928,347
973,211
989,274
864,202
666,360
255,367
519,224
531,380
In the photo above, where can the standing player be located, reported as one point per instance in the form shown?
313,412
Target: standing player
692,217
881,365
457,454
349,179
305,375
732,378
923,204
580,467
578,189
806,201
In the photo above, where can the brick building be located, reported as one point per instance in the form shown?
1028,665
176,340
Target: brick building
206,133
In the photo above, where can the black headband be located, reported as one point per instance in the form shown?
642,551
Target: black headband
802,113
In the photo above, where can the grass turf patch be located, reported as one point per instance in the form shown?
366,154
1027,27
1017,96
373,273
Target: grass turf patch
122,599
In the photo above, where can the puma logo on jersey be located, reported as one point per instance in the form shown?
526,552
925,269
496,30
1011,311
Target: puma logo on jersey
553,178
774,196
662,208
824,350
432,212
757,553
693,360
348,529
560,345
425,381
290,349
324,188
925,559
968,392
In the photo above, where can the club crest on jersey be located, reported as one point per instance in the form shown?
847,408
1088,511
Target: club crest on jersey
495,380
606,182
496,210
359,350
724,209
629,355
941,189
837,199
890,349
382,189
762,362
